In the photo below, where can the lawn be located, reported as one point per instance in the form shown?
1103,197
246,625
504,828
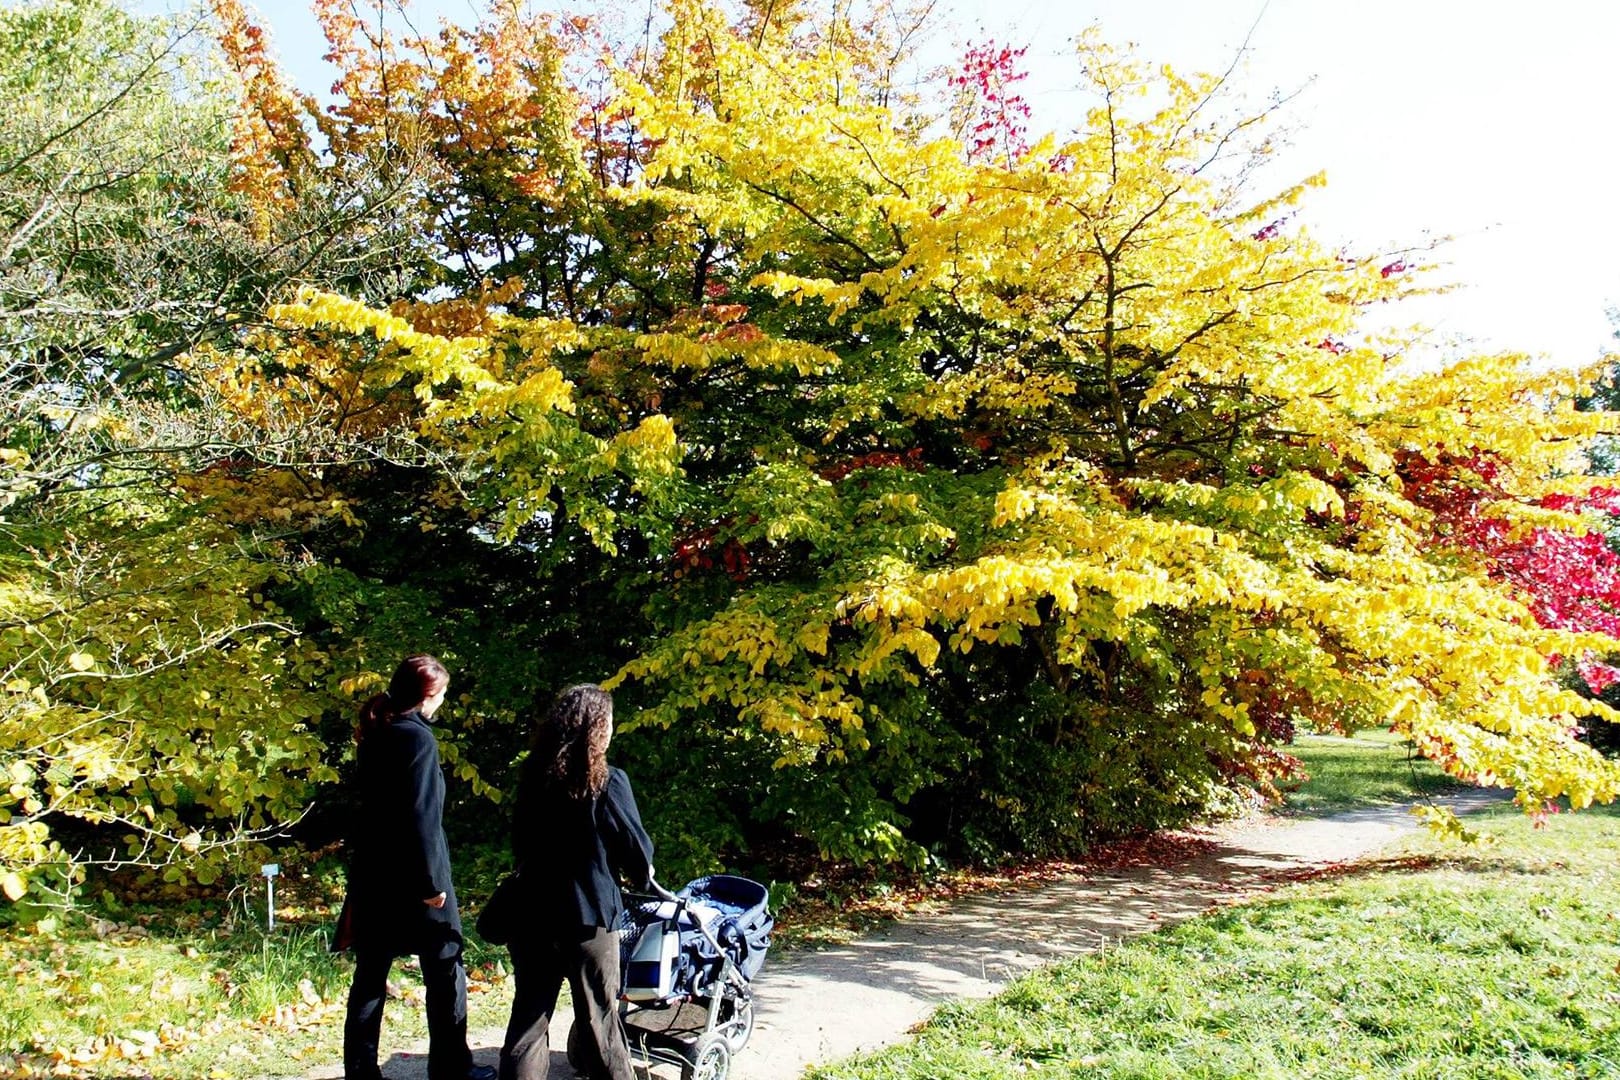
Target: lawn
1375,768
195,990
1500,961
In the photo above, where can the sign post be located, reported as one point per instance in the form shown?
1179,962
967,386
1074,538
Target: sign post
270,870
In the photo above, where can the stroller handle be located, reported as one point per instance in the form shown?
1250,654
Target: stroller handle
659,891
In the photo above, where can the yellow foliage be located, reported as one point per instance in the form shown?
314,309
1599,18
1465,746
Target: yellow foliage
1090,411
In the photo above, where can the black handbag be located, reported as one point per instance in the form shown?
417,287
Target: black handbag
498,922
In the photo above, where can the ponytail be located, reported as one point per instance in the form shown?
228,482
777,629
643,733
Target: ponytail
378,711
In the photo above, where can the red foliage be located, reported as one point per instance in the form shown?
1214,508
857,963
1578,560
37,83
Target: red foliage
702,550
877,459
1001,115
1570,581
1598,675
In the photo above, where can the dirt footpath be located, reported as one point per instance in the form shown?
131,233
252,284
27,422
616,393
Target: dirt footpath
821,1005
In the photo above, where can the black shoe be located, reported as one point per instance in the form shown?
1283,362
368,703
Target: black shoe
481,1072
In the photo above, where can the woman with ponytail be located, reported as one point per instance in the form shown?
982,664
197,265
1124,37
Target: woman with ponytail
575,832
400,900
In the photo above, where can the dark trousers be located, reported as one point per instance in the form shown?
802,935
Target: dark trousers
445,981
590,963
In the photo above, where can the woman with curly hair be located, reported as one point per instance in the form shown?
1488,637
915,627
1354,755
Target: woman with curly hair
575,832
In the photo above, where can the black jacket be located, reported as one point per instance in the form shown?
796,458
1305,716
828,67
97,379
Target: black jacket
572,852
399,854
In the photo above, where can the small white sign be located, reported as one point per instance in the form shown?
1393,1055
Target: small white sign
270,870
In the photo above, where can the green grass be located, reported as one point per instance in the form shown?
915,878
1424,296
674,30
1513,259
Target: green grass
102,992
1453,964
1374,768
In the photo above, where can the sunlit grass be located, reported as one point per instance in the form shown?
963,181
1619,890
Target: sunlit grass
206,993
1374,768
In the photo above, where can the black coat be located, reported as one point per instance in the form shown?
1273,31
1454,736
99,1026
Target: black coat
399,854
572,853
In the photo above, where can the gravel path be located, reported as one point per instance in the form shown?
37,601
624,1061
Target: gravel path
820,1005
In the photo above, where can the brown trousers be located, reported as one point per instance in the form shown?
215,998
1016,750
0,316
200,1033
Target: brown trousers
589,960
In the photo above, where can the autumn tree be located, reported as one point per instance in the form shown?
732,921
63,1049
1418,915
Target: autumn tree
919,482
1135,488
979,492
157,709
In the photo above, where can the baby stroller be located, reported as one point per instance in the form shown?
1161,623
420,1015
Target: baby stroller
687,960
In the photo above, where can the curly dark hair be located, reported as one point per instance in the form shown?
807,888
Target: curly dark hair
570,745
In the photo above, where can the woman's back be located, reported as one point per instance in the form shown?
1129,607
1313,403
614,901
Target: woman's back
391,766
573,850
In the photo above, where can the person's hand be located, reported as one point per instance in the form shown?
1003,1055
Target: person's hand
435,902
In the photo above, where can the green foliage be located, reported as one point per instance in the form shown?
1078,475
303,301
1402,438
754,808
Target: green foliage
1605,395
114,138
160,706
155,707
124,244
1056,776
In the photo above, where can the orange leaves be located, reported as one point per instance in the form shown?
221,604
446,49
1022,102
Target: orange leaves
270,148
726,313
460,316
485,112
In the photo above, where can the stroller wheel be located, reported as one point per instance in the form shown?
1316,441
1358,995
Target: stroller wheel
736,1022
711,1059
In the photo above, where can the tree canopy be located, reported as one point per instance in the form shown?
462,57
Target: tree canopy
919,485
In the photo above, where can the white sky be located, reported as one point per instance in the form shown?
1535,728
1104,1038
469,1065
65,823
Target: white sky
1496,123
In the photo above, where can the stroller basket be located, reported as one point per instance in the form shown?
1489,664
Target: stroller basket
672,950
